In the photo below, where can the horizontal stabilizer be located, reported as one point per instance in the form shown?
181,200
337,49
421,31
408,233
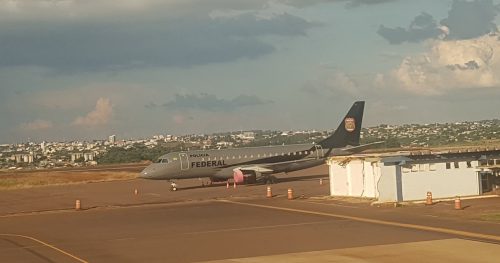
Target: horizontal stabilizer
360,148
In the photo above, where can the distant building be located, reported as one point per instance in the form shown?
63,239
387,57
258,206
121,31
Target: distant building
397,177
248,135
43,146
112,139
24,158
86,156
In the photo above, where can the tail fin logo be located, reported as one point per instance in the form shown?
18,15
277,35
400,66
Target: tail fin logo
350,124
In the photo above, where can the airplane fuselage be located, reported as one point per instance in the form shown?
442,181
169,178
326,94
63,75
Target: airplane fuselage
219,164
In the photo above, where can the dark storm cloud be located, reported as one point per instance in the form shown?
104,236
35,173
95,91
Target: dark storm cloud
180,42
422,27
471,19
466,20
210,102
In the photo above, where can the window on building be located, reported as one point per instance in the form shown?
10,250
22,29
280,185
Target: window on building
432,167
469,164
421,167
497,161
414,168
456,165
491,162
448,165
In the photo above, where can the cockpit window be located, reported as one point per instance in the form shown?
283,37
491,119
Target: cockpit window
162,160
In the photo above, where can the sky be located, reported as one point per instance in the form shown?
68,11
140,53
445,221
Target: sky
86,69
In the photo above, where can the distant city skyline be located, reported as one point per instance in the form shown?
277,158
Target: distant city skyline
90,69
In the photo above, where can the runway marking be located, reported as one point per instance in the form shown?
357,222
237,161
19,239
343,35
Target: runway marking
319,203
47,245
376,221
257,227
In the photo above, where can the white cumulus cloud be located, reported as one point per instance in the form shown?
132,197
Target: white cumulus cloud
449,65
101,115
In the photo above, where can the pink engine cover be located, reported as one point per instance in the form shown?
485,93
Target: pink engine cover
238,176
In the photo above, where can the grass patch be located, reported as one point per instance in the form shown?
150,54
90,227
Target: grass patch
29,180
491,217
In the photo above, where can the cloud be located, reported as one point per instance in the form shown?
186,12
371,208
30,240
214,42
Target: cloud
37,125
335,84
466,20
449,65
101,115
152,35
348,3
210,102
180,119
471,19
422,27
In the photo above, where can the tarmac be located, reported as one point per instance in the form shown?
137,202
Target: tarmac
200,223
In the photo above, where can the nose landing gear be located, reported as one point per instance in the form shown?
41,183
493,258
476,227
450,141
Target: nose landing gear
173,186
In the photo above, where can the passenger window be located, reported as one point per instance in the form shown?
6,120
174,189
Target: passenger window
202,158
251,156
305,152
258,155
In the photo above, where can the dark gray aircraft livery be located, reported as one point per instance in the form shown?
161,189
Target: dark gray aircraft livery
251,163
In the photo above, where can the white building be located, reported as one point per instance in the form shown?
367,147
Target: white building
409,176
86,156
112,139
24,158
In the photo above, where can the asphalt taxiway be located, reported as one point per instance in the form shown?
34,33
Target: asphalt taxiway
214,223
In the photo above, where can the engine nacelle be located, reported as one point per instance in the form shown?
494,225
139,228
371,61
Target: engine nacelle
238,176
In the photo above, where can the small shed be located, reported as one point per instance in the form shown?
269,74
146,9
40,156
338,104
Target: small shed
408,176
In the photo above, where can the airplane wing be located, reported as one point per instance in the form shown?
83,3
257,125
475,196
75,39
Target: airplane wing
255,168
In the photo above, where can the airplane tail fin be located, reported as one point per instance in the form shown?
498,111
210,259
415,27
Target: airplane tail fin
349,129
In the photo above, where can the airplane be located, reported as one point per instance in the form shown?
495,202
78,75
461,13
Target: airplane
246,165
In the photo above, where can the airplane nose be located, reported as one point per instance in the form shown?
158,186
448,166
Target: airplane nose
145,174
